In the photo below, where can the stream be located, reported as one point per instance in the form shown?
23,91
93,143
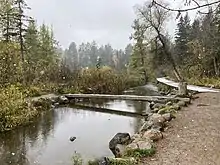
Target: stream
46,141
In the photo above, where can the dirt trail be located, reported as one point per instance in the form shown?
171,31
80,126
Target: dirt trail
193,138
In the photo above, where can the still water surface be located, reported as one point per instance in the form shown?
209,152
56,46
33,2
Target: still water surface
46,141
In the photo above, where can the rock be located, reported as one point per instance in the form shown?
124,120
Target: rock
168,116
151,105
135,136
169,103
73,138
63,100
181,103
159,126
119,150
156,118
145,145
176,107
147,125
100,161
158,122
123,161
153,134
162,111
119,138
155,110
132,146
158,105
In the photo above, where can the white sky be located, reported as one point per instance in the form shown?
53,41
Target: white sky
105,21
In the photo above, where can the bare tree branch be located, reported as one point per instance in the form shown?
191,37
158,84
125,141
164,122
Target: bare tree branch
154,2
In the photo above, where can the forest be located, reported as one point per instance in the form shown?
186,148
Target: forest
32,62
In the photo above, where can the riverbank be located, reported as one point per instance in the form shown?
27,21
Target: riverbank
193,137
137,147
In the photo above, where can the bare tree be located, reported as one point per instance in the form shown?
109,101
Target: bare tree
155,17
196,4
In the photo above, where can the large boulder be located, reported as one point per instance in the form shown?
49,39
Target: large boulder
119,138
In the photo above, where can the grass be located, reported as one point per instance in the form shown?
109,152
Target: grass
140,153
209,82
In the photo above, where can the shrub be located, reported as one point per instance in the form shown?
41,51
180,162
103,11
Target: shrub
14,109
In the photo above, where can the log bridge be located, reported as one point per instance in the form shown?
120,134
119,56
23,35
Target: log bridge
156,99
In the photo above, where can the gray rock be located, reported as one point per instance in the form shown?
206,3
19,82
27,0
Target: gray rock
181,103
155,110
63,100
153,134
147,125
135,136
132,146
169,103
119,138
101,161
156,118
73,138
145,145
119,150
168,116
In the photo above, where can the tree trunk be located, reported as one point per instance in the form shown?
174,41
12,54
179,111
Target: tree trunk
217,72
182,89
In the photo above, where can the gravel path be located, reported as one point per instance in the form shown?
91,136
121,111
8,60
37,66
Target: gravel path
193,138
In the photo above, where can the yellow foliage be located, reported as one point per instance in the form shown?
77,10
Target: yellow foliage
14,109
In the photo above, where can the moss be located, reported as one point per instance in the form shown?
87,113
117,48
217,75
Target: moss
169,109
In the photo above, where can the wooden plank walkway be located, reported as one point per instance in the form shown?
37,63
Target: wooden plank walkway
171,83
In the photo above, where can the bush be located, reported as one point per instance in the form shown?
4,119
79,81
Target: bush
14,109
209,82
105,81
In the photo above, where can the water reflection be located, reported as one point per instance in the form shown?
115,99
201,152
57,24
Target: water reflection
46,141
14,144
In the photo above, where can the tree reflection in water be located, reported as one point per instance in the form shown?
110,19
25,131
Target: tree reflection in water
14,144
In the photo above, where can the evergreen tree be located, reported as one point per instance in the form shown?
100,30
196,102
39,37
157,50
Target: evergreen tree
138,57
71,57
182,40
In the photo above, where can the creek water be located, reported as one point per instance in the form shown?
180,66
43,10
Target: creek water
46,141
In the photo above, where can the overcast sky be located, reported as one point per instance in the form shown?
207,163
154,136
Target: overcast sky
105,21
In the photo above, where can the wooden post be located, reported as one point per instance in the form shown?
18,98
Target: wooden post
182,88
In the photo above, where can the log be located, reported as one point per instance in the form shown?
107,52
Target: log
156,99
108,111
